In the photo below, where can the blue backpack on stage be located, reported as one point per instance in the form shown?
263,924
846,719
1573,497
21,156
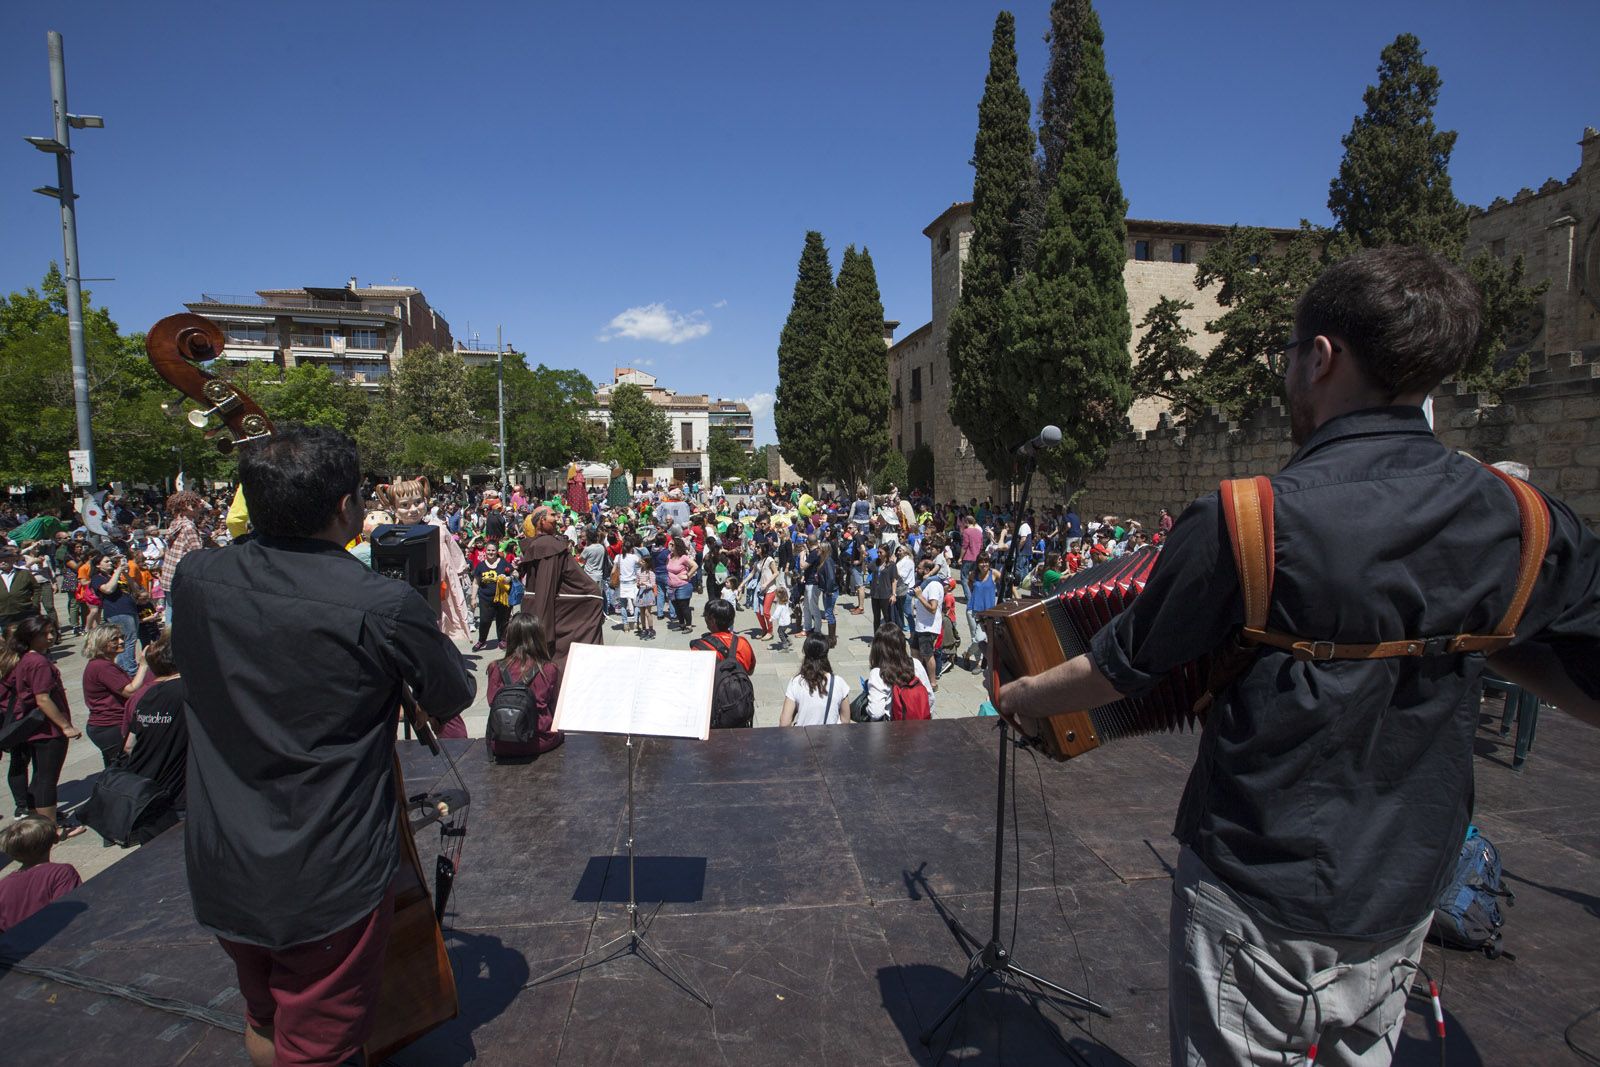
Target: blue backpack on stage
1467,913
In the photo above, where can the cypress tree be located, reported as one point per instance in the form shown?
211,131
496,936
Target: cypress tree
856,375
799,412
1167,362
1003,188
1394,187
1067,357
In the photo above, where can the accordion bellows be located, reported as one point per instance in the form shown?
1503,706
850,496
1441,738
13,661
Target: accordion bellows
1028,637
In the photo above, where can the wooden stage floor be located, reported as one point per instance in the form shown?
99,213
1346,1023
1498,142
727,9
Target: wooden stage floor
803,877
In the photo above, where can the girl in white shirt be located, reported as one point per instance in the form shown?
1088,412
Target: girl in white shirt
816,696
891,660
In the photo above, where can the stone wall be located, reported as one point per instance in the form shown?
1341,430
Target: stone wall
1552,424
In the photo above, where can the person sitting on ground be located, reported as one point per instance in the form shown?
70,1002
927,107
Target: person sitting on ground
892,667
721,639
816,696
39,881
107,689
527,660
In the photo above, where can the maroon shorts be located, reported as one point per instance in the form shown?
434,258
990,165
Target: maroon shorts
318,998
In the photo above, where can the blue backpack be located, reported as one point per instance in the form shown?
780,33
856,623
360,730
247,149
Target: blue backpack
1467,913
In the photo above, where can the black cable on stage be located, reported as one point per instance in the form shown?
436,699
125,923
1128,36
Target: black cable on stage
199,1013
1566,1036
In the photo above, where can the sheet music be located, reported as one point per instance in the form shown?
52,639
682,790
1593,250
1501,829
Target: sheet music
650,692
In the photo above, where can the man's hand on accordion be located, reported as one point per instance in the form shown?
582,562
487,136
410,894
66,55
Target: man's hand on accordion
1075,685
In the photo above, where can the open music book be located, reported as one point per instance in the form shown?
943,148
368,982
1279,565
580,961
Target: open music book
649,692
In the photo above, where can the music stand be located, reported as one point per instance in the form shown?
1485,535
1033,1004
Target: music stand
606,687
994,958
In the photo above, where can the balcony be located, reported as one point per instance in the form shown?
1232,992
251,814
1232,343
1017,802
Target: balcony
354,347
298,302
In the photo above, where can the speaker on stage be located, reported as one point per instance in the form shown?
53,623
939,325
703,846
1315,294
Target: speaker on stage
411,554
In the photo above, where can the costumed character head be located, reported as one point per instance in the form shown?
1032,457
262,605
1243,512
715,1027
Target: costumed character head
407,499
541,520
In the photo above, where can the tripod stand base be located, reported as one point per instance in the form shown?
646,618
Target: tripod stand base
993,960
634,943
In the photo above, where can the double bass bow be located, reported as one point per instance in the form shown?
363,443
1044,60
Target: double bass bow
418,983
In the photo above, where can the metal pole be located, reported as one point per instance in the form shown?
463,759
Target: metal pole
500,384
69,242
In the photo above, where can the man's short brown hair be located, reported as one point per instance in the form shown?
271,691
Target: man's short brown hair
1410,317
29,839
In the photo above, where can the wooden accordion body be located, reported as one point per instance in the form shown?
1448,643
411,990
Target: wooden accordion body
1028,637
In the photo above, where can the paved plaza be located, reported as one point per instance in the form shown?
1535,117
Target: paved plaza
960,694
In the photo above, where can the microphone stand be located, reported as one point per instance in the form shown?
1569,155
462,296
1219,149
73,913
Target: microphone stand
994,958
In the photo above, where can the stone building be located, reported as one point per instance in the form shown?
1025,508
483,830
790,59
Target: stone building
690,416
1162,258
1557,232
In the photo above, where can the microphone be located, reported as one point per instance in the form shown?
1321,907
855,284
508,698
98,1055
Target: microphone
1050,435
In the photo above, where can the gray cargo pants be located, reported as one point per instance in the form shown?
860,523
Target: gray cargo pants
1241,991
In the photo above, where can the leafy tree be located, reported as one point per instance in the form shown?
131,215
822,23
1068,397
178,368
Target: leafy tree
381,438
547,413
1004,187
623,450
1393,187
1258,288
1067,352
1167,361
919,467
893,472
431,388
800,412
728,460
856,374
645,424
315,396
756,470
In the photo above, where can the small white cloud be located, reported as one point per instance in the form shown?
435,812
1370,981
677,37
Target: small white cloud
720,304
760,404
656,322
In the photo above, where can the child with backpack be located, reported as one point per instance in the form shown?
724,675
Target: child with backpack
523,685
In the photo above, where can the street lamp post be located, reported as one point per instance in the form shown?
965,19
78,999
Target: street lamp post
500,384
60,146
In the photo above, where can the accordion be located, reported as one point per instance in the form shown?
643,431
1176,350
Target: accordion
1028,637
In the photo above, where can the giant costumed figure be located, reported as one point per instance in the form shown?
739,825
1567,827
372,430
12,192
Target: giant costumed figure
408,501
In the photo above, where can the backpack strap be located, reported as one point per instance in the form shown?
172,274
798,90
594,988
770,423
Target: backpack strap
1247,509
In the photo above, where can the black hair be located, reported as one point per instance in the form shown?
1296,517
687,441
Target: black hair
1410,316
294,480
719,616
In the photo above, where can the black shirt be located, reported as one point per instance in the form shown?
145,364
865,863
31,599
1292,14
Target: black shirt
1334,796
161,737
293,653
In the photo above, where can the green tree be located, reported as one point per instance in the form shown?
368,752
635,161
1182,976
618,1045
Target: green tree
919,467
1393,187
314,396
547,413
438,454
728,459
643,423
1259,288
856,374
893,472
800,412
1004,187
431,388
1067,352
756,470
1166,361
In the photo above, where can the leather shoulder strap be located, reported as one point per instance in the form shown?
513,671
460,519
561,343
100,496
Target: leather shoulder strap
1534,513
1247,509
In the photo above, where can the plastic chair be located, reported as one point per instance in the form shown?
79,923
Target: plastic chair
1521,707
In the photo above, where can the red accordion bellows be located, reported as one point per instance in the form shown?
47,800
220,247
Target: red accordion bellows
1028,637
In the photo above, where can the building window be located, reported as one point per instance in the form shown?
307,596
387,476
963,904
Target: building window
1498,248
1141,250
917,438
899,443
250,333
944,242
364,338
687,431
1180,252
916,384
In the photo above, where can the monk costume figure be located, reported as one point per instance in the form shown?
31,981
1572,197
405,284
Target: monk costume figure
565,600
408,501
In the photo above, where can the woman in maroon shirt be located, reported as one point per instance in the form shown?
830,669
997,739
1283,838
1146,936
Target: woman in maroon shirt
527,659
27,673
106,689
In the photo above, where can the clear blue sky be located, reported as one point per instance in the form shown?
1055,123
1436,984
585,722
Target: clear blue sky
551,166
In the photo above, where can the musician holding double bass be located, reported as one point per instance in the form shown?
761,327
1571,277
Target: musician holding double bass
1333,786
294,654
